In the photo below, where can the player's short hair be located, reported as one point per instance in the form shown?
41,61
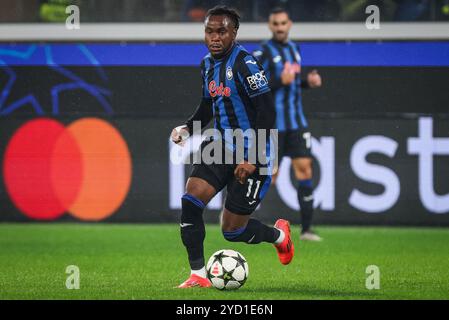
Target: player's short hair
278,10
225,11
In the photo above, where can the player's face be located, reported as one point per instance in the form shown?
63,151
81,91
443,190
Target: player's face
280,25
219,35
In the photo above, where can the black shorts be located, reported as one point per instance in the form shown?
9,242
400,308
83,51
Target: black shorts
241,199
295,144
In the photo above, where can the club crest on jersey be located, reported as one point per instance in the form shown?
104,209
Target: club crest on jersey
229,73
257,81
218,91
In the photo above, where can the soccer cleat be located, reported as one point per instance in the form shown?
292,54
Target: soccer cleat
195,281
310,236
285,249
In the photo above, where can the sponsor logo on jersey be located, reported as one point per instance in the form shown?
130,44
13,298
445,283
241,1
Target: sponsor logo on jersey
257,81
221,90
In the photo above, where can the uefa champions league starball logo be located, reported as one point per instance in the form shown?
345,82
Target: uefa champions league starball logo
16,92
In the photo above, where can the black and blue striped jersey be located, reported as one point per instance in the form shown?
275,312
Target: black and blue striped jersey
236,94
274,56
230,83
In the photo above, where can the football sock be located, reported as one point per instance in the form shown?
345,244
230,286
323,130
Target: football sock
192,230
281,237
254,232
201,272
305,198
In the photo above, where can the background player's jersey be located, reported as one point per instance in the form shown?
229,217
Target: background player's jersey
273,56
231,82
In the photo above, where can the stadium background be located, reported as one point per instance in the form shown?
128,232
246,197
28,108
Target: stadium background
382,89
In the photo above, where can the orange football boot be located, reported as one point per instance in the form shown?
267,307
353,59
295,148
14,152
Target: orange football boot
285,249
195,281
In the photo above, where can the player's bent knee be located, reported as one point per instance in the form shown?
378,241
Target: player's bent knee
200,189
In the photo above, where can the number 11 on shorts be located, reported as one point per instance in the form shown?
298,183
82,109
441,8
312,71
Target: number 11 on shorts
250,186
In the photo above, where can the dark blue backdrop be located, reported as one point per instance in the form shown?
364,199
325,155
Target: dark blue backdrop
187,54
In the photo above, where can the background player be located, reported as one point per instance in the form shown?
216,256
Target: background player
237,96
281,58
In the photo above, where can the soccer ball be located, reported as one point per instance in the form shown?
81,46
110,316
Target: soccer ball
227,270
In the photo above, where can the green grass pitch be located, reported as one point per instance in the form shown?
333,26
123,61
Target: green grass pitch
148,261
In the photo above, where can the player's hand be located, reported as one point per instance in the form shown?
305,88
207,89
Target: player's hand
243,171
314,79
180,134
288,74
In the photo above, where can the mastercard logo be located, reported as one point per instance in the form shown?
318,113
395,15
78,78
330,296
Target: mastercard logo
83,169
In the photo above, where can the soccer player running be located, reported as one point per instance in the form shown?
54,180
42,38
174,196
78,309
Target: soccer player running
281,58
237,96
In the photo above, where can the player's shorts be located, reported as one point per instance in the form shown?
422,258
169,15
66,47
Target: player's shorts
241,199
295,144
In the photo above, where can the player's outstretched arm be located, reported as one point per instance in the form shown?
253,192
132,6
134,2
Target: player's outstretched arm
203,113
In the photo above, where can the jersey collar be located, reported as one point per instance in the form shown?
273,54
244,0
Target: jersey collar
283,44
